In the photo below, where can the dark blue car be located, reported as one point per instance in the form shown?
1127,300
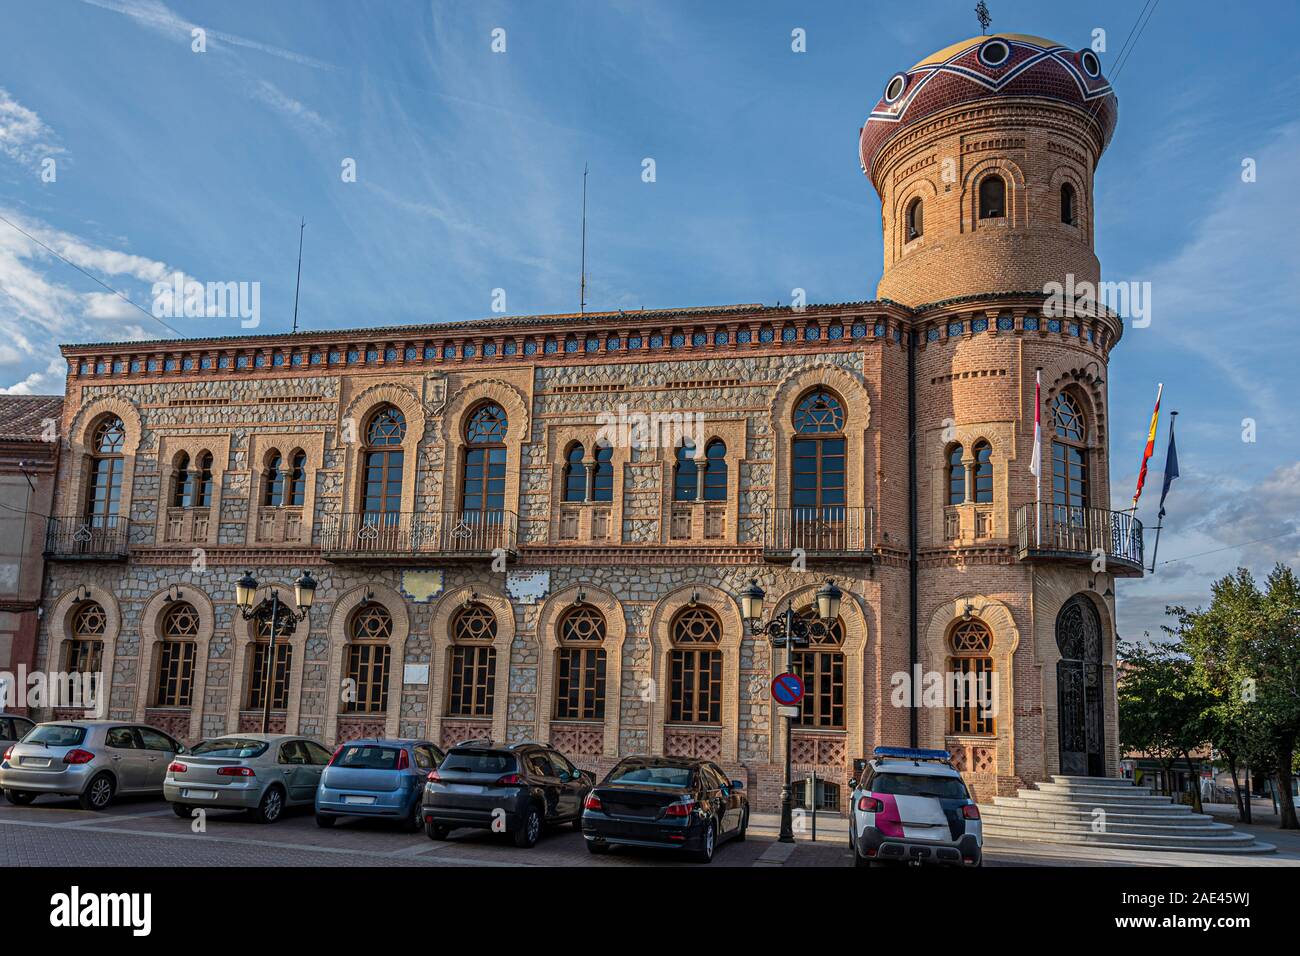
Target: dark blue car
376,778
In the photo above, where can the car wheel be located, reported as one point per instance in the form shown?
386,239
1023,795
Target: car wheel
325,820
270,806
436,831
744,825
19,798
98,793
705,853
530,828
859,859
181,810
597,849
415,822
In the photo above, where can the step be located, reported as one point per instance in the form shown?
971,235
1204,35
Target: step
1092,781
1112,826
1230,838
1038,798
1013,811
1240,844
1126,793
1109,806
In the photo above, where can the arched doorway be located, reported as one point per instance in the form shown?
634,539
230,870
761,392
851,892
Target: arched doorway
1079,691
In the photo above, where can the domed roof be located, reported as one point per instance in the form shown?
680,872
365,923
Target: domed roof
1003,64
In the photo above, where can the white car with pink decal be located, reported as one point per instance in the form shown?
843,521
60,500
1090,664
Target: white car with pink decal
911,806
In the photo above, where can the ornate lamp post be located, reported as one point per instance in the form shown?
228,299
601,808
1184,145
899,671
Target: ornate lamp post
282,624
787,630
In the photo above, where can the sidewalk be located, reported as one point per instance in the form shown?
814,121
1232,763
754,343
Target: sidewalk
831,827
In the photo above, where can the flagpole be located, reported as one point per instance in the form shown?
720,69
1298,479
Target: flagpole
1155,548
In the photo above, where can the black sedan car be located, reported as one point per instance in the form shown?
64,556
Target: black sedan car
675,803
516,788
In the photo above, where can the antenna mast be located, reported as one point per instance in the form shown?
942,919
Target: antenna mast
298,284
582,280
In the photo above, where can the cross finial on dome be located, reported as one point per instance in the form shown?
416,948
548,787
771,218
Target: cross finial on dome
982,14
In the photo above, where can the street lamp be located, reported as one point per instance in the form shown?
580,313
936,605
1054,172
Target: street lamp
304,592
785,631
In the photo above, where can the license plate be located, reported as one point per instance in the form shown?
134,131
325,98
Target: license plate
354,799
36,761
199,794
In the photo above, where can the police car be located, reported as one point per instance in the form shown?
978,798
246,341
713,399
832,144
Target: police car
911,806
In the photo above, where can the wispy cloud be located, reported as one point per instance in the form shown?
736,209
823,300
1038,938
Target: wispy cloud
24,136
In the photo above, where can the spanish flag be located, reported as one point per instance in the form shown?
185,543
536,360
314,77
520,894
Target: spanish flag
1151,446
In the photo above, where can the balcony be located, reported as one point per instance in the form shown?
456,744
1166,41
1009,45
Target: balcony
88,537
1080,536
827,533
447,536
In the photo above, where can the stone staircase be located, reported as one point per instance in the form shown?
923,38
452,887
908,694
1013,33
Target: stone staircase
1065,811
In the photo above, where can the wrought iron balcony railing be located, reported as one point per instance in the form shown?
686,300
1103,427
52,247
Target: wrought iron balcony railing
825,532
448,534
1082,535
102,537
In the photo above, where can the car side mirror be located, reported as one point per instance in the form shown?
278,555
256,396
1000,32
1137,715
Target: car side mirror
853,784
738,785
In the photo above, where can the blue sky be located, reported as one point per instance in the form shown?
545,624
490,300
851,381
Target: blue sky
469,179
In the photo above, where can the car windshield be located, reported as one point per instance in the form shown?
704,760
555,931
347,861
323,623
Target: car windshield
644,776
367,757
918,785
479,761
56,735
241,747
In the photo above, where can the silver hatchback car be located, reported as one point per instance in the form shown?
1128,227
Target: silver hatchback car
93,760
260,773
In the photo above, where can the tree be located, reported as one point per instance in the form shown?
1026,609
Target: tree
1246,649
1164,710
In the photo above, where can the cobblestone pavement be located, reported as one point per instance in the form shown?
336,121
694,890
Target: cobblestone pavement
56,832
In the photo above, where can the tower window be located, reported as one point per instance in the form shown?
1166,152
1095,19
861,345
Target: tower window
993,197
1067,205
915,220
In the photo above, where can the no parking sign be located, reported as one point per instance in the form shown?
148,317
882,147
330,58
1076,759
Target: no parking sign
787,689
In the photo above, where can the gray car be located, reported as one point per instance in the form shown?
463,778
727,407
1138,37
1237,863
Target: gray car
259,773
93,760
13,729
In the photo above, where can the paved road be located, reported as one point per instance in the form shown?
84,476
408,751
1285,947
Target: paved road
56,832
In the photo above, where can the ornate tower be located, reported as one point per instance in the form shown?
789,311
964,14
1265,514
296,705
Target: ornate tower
983,155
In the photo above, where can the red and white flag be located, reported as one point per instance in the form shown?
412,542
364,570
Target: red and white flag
1036,463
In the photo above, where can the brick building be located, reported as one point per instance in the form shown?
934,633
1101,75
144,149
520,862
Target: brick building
489,566
28,454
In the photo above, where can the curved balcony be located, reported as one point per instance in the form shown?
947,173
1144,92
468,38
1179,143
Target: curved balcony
445,535
88,537
1081,536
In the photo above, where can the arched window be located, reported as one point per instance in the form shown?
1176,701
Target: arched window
575,473
956,475
915,222
821,666
85,652
1068,215
602,480
174,685
368,658
203,482
259,662
695,668
1069,456
472,674
817,458
993,197
104,493
483,484
715,470
384,462
972,675
273,481
686,473
297,480
183,483
580,665
983,473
